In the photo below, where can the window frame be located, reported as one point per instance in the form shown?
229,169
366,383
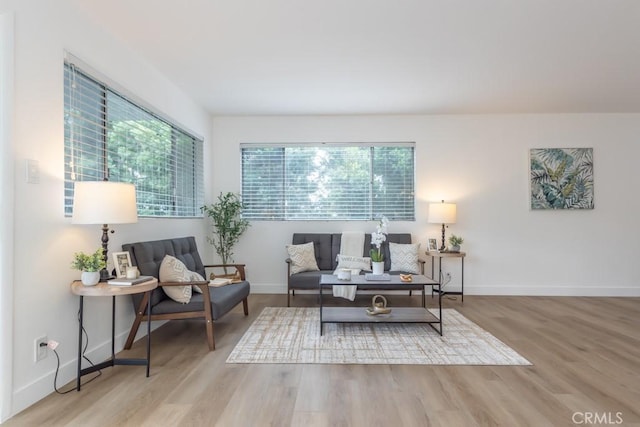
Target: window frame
184,154
369,213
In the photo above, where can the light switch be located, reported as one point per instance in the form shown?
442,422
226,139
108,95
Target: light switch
32,171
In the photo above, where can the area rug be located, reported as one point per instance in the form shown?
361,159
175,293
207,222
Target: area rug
292,335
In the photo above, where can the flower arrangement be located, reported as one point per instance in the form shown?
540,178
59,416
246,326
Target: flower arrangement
377,238
84,262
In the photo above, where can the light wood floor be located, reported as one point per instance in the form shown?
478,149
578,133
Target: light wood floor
585,354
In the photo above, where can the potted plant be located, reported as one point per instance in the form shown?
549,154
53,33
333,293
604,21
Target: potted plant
228,224
90,265
377,238
455,242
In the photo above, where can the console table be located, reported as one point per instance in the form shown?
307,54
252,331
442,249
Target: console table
440,256
103,289
397,315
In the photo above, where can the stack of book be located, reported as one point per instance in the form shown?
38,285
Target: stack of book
123,281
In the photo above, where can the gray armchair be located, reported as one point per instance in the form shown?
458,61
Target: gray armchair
148,256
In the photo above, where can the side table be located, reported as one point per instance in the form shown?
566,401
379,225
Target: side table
103,289
440,256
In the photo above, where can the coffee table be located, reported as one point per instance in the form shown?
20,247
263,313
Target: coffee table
397,315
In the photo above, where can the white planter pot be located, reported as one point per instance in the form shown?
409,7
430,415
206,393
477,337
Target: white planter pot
90,278
378,267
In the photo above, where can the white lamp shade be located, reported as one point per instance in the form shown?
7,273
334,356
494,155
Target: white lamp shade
104,202
442,213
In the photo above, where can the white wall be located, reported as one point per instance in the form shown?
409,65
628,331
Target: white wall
6,212
44,239
480,163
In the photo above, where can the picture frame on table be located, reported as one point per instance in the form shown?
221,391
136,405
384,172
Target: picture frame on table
432,244
121,260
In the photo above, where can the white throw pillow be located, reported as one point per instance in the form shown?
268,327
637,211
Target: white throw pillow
303,258
354,262
195,277
174,270
404,257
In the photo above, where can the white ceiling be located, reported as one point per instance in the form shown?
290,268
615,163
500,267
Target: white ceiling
388,56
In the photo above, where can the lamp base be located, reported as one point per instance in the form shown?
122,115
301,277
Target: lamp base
104,275
443,247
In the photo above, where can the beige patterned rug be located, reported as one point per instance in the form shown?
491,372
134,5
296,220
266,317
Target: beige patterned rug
292,335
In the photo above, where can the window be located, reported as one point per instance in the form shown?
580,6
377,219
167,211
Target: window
107,135
328,181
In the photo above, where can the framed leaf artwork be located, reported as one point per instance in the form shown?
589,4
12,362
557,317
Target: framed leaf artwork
561,178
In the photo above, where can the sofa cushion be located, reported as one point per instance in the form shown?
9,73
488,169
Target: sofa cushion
404,257
302,257
223,299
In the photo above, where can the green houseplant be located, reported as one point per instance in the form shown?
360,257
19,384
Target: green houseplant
227,224
455,242
90,265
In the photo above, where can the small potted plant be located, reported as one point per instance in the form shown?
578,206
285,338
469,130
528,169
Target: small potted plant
455,242
90,265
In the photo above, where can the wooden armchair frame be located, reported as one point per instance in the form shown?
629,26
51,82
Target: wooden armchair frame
205,313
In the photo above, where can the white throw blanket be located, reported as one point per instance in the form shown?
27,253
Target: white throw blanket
351,244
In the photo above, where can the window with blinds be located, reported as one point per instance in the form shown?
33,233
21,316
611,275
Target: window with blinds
107,135
328,181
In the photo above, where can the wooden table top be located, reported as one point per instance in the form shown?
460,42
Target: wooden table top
446,254
103,289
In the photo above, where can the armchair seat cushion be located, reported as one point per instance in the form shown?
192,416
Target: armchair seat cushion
223,299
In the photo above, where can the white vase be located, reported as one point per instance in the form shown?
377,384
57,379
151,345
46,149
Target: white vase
378,267
90,278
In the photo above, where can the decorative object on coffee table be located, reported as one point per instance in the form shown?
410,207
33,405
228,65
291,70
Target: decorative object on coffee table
378,307
377,239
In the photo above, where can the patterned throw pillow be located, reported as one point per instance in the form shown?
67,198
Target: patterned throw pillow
196,277
354,262
174,270
404,257
303,258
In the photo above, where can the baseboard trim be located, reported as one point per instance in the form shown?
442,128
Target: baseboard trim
559,291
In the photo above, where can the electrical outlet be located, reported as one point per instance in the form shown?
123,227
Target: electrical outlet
40,351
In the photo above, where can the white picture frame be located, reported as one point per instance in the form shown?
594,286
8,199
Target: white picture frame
121,260
432,244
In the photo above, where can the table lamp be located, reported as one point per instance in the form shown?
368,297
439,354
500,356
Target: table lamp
442,213
104,202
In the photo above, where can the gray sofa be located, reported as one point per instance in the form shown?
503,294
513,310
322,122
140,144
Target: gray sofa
149,255
327,248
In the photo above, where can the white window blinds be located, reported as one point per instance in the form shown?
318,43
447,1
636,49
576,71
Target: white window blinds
328,181
109,136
